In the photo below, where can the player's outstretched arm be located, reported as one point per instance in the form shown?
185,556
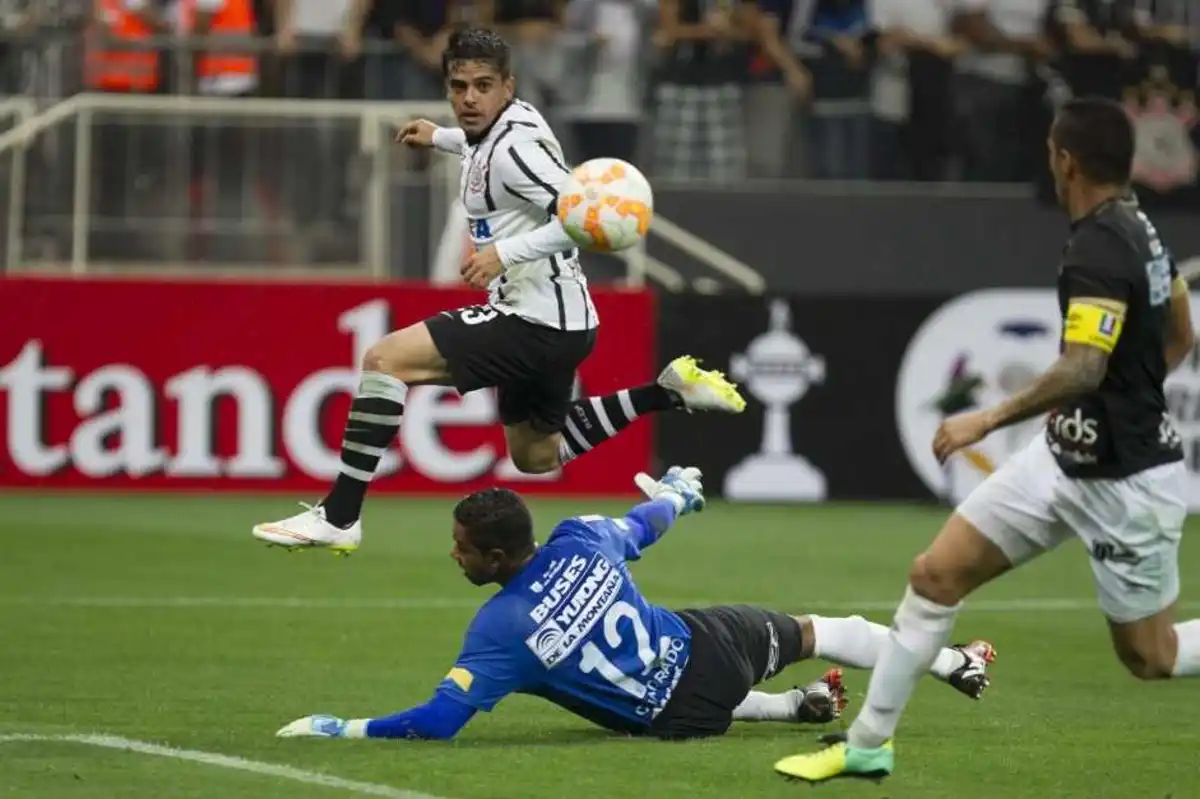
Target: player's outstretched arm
1098,293
439,719
678,493
421,133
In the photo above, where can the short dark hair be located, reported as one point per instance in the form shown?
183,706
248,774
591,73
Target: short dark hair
476,44
496,518
1099,136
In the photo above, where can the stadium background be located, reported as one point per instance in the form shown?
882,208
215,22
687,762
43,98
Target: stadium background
189,279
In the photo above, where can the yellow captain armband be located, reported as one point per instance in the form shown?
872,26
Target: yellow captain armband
1180,285
1096,323
461,677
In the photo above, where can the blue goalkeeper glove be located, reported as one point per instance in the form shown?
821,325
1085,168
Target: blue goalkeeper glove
324,726
679,485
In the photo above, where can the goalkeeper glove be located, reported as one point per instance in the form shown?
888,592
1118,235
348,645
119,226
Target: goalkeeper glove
679,485
324,726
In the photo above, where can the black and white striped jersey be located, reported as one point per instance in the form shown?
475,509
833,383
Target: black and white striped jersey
510,182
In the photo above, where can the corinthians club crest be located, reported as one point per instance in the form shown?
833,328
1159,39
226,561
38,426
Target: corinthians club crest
777,369
1163,117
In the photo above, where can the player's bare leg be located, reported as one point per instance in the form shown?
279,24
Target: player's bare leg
403,358
591,421
959,561
1158,648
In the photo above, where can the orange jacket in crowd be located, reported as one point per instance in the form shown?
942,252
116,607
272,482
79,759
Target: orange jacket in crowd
112,69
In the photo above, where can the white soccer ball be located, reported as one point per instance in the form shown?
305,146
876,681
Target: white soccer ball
606,205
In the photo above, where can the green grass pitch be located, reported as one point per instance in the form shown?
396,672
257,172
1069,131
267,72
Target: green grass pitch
160,619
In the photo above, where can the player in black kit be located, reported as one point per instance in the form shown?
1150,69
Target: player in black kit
1108,468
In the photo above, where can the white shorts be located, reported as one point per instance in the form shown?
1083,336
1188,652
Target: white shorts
1131,526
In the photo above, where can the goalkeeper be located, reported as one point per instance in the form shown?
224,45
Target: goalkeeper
569,625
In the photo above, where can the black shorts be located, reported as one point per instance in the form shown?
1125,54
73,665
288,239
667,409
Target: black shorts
734,648
531,366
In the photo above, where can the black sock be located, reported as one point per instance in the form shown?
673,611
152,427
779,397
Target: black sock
594,420
372,424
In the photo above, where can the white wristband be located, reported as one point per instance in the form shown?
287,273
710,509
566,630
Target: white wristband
357,728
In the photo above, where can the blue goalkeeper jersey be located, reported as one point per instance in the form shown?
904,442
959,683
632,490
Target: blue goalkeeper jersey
573,628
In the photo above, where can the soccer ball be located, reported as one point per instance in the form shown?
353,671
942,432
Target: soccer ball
606,205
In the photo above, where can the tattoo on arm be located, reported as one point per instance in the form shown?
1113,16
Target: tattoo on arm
1078,370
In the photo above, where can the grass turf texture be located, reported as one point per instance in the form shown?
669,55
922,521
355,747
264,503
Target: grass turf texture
160,619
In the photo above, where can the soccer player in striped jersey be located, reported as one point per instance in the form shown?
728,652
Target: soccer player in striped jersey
527,340
569,624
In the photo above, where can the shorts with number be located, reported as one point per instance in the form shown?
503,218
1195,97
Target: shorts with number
734,648
531,366
1131,526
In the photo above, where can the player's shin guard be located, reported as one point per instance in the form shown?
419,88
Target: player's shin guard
594,420
1187,655
373,421
920,629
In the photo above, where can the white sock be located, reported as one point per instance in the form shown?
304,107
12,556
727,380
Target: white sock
920,629
856,642
1187,654
760,706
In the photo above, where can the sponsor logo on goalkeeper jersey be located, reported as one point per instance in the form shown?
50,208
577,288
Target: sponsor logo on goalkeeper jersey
573,607
672,658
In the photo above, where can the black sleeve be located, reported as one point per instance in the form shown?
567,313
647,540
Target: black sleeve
1099,263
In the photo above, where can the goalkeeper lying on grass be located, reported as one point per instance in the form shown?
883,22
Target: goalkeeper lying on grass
569,625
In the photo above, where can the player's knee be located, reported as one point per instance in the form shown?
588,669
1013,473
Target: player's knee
376,359
535,460
808,636
935,581
1147,664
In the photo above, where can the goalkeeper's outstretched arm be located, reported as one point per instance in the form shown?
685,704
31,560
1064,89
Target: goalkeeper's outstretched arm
439,719
679,492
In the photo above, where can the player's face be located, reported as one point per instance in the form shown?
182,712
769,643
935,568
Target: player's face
478,93
476,566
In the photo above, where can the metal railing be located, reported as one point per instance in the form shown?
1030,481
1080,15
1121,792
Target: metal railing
375,123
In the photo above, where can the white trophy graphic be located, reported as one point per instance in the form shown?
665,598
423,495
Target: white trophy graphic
778,369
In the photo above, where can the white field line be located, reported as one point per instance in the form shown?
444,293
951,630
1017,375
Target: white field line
1030,605
223,761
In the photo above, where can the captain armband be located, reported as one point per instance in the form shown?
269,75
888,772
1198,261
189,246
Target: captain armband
1094,325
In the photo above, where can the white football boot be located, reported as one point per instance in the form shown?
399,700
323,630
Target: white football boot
700,389
310,530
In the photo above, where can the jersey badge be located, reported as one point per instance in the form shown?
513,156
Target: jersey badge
477,177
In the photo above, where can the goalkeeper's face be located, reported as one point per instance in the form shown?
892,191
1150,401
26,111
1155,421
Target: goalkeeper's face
480,567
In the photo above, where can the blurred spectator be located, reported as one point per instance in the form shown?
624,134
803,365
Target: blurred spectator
780,87
839,127
911,89
602,81
1095,57
330,65
699,128
1168,32
995,108
531,27
423,30
321,44
120,58
383,65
